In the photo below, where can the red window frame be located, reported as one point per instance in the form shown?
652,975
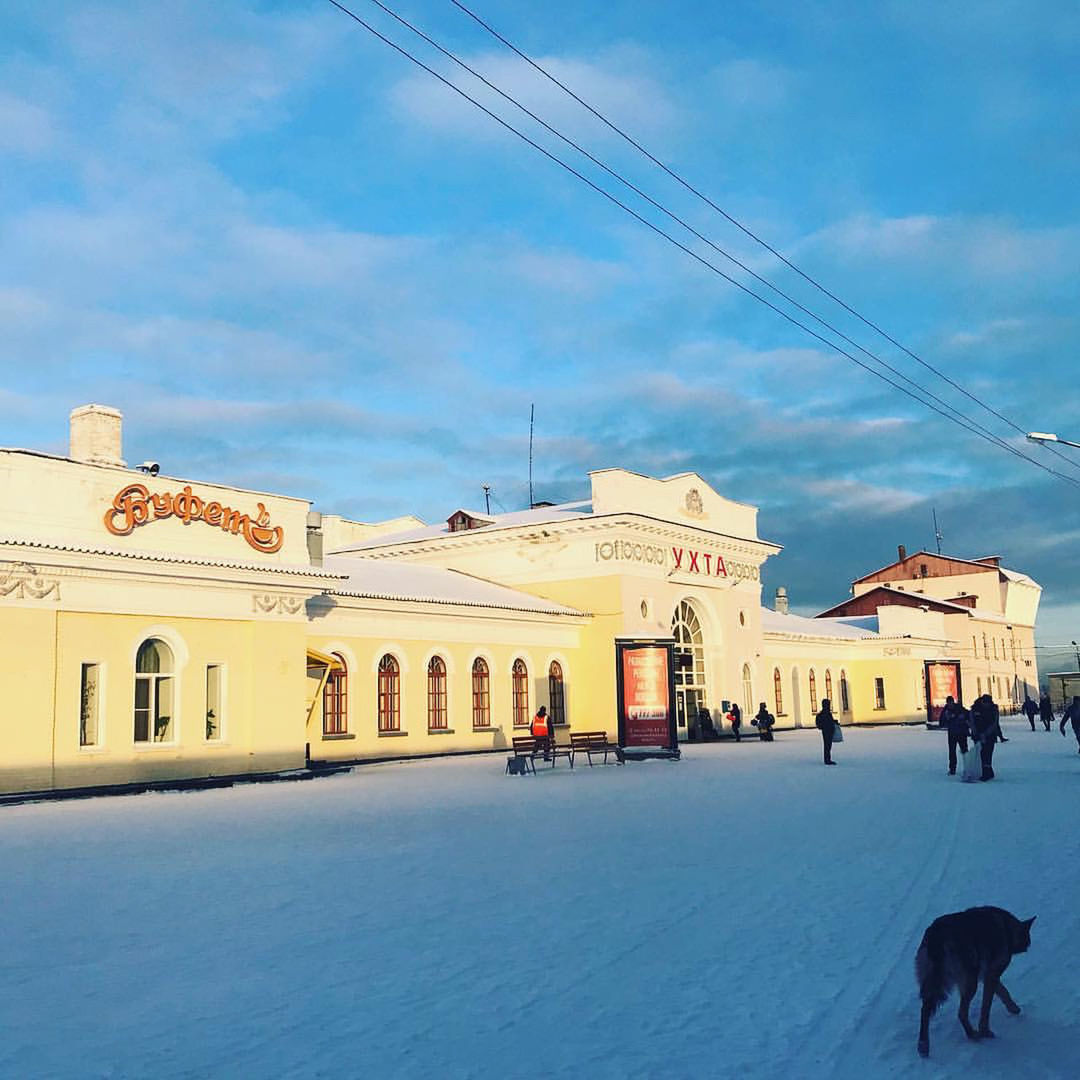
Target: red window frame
813,691
436,694
828,686
336,700
778,690
389,704
556,694
481,694
520,693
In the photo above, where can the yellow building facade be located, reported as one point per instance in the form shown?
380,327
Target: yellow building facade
161,630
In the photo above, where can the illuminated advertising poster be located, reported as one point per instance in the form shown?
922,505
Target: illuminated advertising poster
942,681
645,677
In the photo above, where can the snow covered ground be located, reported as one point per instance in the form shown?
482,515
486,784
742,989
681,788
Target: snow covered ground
744,912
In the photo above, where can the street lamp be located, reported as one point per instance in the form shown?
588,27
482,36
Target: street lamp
1048,437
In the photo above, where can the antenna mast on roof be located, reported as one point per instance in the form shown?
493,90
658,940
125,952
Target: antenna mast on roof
487,497
532,414
937,532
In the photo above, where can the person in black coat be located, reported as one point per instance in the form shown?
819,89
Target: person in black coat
827,723
1046,711
736,720
954,718
1072,715
986,730
1030,710
764,723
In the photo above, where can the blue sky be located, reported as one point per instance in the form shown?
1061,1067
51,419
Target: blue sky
297,262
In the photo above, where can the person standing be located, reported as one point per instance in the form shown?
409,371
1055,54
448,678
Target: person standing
1046,711
827,723
764,723
736,720
986,730
954,718
1030,710
1072,714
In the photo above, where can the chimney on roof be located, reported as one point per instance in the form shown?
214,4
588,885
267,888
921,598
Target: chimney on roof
901,551
781,602
96,435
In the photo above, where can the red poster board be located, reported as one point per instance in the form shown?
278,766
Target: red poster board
646,697
942,681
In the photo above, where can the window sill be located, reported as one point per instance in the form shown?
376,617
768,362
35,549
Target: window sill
151,747
92,750
392,734
215,742
338,736
484,728
441,731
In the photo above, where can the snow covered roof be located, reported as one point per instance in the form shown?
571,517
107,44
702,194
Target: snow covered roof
776,622
541,515
385,580
170,557
1020,579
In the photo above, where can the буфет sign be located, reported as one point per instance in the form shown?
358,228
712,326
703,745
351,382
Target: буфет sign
134,505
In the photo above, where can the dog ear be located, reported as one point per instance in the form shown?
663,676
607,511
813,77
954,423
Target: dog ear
1028,922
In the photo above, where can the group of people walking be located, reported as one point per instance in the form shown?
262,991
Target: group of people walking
981,723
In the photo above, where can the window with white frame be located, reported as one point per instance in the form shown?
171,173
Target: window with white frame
436,694
214,718
556,694
89,705
155,693
879,693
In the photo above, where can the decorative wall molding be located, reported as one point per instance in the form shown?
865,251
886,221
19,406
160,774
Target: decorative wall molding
21,581
268,603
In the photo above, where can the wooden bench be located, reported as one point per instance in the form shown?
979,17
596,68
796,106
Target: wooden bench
527,748
593,742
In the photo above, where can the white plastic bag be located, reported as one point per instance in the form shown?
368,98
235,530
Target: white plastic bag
972,769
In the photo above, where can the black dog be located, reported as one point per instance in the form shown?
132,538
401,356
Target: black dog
959,949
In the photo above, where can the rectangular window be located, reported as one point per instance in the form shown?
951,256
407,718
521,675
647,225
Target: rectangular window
213,703
879,693
89,704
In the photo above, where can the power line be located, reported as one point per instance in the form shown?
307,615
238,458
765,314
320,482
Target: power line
689,228
746,230
994,440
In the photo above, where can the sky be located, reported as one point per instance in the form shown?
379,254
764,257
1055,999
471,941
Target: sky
299,263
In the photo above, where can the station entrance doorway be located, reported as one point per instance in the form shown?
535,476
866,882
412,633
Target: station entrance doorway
690,693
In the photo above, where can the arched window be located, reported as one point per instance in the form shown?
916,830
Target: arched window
813,692
481,694
436,694
556,698
521,693
690,687
747,691
389,694
778,690
845,700
828,686
335,700
154,691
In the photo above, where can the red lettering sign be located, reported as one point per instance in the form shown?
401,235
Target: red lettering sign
135,506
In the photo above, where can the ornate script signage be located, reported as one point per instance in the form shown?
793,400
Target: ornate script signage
135,506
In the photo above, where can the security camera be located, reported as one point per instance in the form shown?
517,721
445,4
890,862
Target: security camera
151,467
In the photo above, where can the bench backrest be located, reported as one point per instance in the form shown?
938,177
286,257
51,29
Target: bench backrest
588,738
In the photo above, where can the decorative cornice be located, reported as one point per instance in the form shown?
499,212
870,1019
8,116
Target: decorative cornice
24,582
268,603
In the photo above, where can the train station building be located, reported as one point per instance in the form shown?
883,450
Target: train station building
159,628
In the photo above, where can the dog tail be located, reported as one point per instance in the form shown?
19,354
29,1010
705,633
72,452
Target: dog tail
930,971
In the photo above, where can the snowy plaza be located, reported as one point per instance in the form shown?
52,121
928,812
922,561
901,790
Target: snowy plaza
741,912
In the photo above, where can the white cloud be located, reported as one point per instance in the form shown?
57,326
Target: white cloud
25,128
617,84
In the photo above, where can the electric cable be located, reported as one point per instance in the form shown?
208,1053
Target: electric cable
689,251
747,231
680,221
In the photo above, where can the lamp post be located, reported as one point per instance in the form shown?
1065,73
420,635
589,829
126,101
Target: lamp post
1048,437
